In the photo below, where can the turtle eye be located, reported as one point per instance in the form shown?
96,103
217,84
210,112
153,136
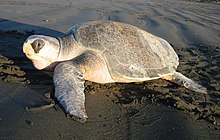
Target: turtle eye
37,45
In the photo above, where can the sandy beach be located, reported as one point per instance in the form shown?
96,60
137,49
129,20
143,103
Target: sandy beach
154,109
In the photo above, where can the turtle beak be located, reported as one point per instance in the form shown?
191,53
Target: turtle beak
34,47
27,49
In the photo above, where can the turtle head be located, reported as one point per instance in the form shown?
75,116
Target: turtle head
42,50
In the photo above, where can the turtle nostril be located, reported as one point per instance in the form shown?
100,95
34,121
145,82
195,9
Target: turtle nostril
37,45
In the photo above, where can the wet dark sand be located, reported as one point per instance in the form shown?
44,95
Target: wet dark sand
151,110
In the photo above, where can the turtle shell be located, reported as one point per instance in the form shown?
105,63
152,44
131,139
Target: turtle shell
131,53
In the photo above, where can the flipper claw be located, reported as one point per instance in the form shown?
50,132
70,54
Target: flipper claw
78,119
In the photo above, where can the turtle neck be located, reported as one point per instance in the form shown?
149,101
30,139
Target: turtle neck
69,47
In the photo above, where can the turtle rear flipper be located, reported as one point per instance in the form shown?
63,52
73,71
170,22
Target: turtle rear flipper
182,80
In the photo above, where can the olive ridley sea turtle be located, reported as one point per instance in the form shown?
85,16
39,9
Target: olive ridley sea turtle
103,52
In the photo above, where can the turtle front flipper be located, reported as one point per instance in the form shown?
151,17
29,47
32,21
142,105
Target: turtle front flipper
69,90
182,80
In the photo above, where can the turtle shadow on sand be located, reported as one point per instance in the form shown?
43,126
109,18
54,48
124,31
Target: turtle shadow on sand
136,96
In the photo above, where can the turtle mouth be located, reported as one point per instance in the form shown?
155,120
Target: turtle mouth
39,62
34,57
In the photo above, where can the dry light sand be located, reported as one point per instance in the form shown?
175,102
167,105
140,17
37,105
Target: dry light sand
150,110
